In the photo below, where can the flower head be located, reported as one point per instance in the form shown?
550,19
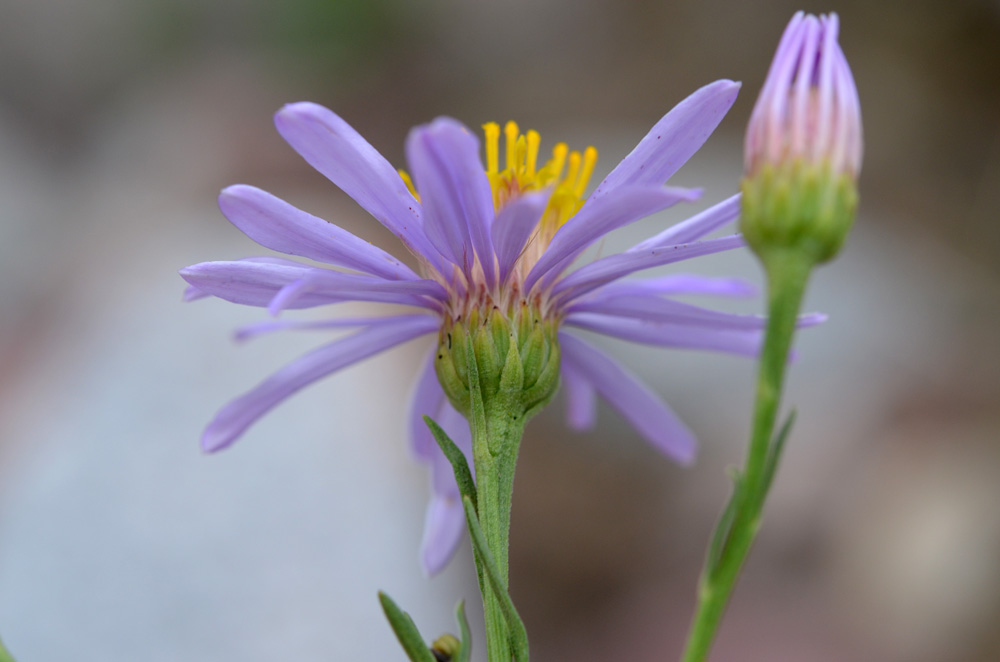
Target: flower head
803,144
492,245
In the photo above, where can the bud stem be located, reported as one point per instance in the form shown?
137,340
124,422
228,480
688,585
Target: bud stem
787,272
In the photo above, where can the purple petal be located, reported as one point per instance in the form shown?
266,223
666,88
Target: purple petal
672,140
652,308
741,342
613,267
427,399
275,224
618,209
443,528
233,419
581,399
678,284
260,328
330,145
642,408
696,227
512,227
454,190
192,293
258,283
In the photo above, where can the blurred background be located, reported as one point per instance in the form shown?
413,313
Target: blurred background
120,541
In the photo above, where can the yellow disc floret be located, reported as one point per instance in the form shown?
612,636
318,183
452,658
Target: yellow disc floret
566,173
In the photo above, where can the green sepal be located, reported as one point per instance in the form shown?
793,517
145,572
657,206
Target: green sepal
501,331
515,626
798,205
5,656
464,653
477,409
546,383
487,358
512,377
533,354
459,463
774,453
406,631
447,369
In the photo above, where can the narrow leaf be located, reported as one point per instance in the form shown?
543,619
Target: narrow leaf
406,631
518,635
774,454
459,463
465,651
721,534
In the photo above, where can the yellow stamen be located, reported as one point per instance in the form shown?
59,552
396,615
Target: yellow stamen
566,174
510,132
531,160
520,154
589,159
573,169
558,160
492,132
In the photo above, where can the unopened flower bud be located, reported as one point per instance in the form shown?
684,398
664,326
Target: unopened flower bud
803,146
445,648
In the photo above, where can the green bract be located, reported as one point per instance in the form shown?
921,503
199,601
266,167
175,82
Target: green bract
517,356
798,206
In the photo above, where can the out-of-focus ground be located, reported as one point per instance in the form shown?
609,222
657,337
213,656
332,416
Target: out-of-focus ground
119,541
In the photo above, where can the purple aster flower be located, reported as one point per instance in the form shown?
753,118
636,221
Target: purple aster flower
501,236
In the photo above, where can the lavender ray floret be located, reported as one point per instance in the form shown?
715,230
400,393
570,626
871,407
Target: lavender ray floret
275,224
694,228
233,419
623,206
635,401
334,148
608,269
673,140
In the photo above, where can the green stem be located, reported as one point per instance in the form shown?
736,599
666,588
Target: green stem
494,487
4,655
787,274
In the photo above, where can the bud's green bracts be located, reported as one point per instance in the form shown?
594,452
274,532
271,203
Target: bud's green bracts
800,207
803,148
516,353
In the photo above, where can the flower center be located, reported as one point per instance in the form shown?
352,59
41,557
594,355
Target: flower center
566,173
565,176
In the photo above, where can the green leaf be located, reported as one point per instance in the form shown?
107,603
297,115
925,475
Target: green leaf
459,463
465,651
406,631
518,635
4,655
774,454
721,534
